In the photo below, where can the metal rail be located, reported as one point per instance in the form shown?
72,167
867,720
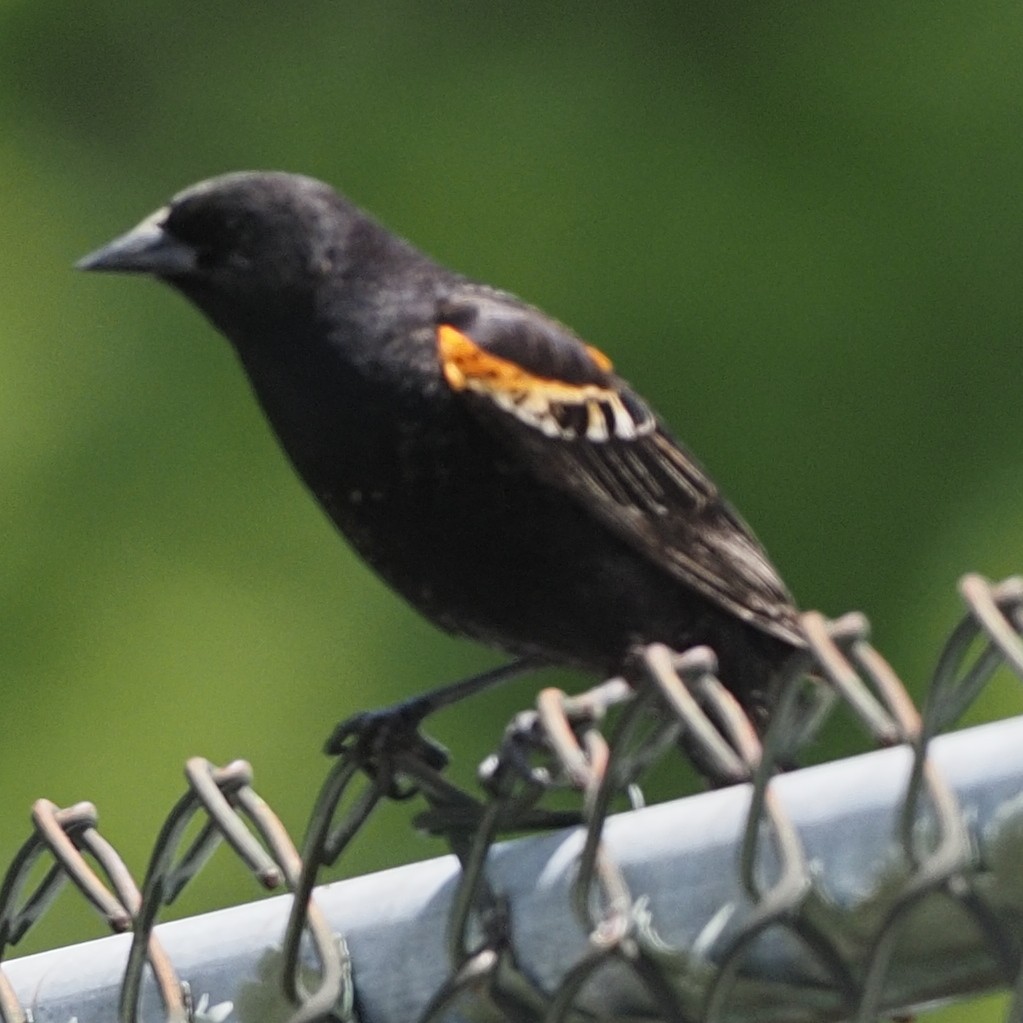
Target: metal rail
681,858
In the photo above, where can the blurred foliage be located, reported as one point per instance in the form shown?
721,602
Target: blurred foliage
795,226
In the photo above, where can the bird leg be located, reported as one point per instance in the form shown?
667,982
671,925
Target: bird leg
372,735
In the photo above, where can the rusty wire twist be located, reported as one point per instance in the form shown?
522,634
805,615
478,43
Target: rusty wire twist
668,702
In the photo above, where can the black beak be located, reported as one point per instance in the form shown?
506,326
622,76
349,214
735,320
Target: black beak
145,249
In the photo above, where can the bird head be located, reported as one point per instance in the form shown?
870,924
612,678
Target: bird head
258,242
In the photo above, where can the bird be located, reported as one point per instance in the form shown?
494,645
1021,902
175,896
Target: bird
488,463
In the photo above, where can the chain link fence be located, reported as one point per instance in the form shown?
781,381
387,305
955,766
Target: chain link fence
851,890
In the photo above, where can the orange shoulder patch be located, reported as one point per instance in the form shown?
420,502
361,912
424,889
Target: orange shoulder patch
556,408
463,361
600,358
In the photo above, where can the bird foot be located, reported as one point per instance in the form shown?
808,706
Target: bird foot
375,736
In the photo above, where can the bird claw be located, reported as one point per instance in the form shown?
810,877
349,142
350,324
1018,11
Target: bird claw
374,737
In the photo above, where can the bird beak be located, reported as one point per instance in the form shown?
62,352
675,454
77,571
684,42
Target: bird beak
145,249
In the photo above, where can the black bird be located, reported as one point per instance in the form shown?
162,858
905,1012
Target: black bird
485,461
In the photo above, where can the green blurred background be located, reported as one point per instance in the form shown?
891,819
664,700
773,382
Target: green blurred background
795,227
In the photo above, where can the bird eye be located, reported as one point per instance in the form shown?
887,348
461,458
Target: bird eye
207,257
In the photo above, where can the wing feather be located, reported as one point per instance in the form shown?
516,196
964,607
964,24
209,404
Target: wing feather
583,430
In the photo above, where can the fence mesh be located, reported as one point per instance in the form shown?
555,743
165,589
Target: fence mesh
571,761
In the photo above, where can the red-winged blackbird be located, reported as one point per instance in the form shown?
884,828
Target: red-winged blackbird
489,464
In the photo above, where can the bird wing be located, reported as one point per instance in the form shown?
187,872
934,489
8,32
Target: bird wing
558,403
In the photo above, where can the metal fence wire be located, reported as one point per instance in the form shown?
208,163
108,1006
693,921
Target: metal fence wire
935,912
